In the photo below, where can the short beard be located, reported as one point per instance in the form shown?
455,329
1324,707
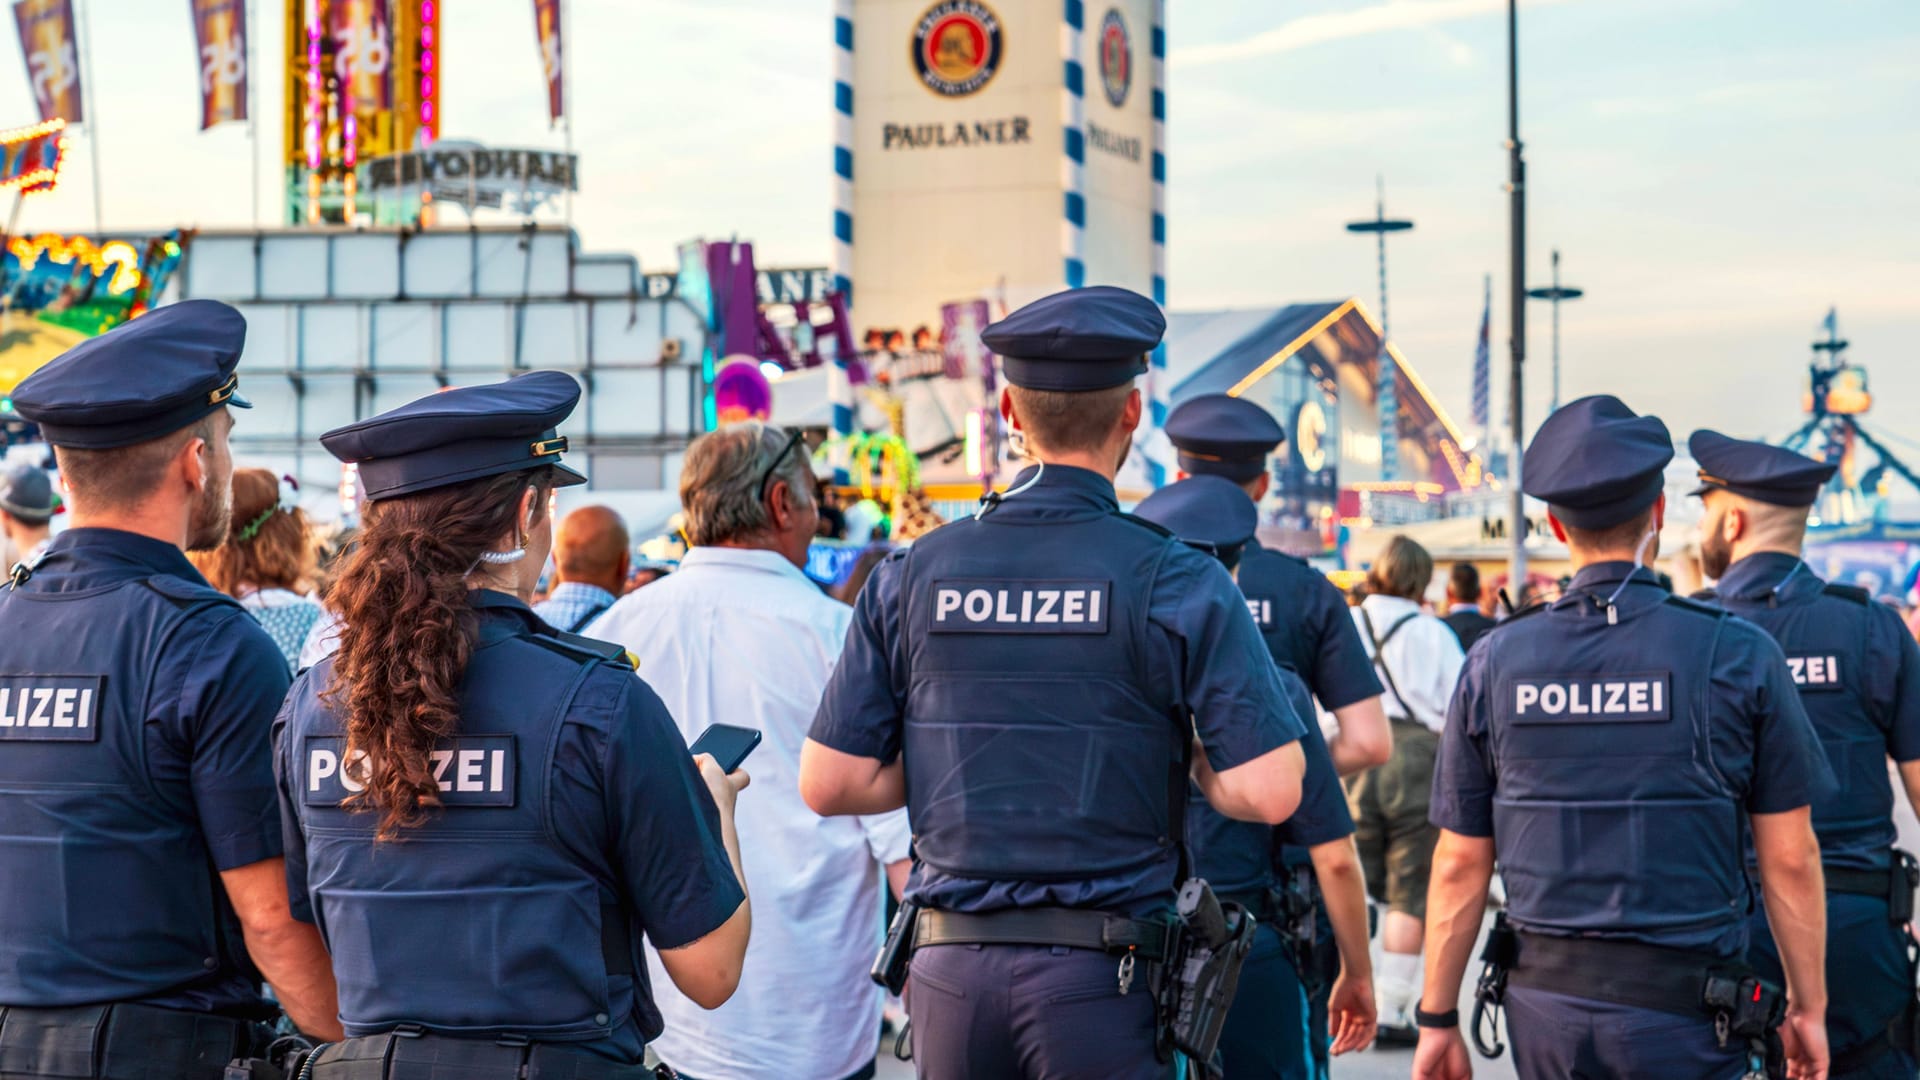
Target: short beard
212,515
1715,556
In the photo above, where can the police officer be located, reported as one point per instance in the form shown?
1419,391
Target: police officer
140,867
1028,682
1302,616
1858,671
484,814
1611,749
1291,876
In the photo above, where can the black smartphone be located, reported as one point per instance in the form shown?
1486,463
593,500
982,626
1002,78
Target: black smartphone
729,745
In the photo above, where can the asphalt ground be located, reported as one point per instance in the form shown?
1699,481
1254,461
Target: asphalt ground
1396,1064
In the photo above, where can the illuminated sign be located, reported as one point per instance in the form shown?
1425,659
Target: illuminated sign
471,175
1309,435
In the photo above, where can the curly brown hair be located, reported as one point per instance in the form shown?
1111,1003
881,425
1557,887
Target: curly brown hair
281,553
407,632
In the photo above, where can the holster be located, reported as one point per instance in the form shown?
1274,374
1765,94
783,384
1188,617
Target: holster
1297,911
1203,971
896,952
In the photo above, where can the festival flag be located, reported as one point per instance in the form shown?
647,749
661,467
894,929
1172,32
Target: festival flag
220,29
1482,369
546,20
50,45
362,52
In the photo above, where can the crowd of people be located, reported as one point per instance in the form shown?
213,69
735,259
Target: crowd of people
429,799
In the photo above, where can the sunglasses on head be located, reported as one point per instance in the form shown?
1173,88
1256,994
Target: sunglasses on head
766,476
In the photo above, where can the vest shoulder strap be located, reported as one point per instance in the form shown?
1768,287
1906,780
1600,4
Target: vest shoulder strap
1848,592
584,649
1530,610
183,593
1695,606
1152,526
1706,596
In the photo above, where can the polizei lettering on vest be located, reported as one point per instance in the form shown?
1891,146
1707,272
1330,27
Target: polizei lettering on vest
1261,608
469,770
999,606
1815,672
1593,699
50,708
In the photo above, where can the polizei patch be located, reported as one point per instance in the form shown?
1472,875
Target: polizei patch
956,47
1593,699
470,770
995,606
51,708
1815,673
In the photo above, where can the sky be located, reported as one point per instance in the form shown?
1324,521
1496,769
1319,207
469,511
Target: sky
1715,172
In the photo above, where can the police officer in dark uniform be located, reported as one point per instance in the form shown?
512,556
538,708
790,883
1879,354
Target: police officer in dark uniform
1613,749
1029,683
484,815
1302,616
1291,876
140,867
1858,671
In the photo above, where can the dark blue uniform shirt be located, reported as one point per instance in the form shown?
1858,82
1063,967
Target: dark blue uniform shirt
1200,644
1241,856
197,682
1763,750
485,920
1307,627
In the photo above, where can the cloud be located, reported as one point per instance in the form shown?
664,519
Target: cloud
1310,30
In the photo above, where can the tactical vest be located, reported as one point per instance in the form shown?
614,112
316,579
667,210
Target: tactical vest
1034,749
477,922
1609,816
1265,577
1824,636
109,890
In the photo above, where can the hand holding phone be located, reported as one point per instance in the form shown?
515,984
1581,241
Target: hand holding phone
728,745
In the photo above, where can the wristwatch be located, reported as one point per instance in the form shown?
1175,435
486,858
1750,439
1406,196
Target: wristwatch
1425,1019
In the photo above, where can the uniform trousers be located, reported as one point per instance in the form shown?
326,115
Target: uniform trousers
1032,1012
1559,1037
1867,978
1274,1031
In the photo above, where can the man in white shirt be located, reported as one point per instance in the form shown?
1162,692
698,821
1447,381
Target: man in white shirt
1418,659
739,635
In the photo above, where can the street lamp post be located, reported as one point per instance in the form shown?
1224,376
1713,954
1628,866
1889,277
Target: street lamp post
1517,337
1380,225
1556,293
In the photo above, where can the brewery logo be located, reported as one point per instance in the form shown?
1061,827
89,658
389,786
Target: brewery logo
1116,58
1309,436
956,47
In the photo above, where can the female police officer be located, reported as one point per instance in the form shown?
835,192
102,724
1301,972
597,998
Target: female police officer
484,814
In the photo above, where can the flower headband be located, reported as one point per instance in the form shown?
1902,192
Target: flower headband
289,502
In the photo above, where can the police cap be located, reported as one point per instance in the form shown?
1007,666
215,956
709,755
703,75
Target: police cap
1081,339
1771,474
26,492
1222,435
462,434
1204,509
1596,462
140,380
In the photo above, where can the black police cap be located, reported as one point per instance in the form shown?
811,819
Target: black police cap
1222,435
462,434
141,380
1081,339
1771,474
1596,462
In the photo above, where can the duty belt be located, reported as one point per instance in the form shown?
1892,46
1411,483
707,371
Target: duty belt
409,1053
124,1041
1068,927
